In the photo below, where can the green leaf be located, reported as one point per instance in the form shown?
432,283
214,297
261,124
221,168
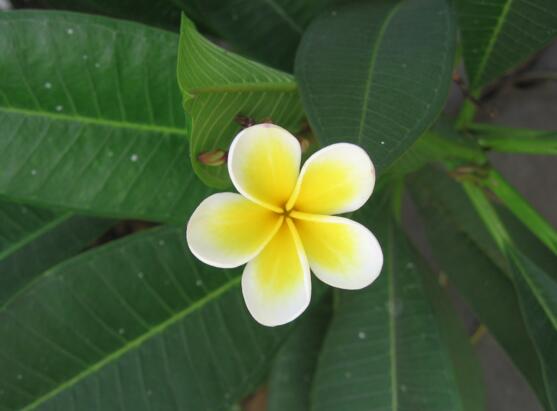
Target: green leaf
522,209
441,142
34,239
90,117
537,291
217,87
267,30
541,284
514,140
162,13
499,34
136,324
472,262
538,297
466,366
295,363
383,349
377,73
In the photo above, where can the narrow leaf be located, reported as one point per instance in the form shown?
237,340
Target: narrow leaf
219,86
538,297
472,262
90,117
466,366
133,325
537,294
500,34
34,239
522,209
377,73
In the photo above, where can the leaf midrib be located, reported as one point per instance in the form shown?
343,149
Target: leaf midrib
373,59
153,332
534,288
489,49
95,121
392,320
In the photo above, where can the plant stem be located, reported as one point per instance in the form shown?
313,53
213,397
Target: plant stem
513,140
522,209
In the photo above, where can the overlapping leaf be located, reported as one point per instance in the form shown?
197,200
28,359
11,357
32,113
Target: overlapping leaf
377,73
217,87
384,349
466,366
538,299
132,325
499,34
34,239
294,367
268,30
472,262
90,117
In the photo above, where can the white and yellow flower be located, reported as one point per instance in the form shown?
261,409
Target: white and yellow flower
282,223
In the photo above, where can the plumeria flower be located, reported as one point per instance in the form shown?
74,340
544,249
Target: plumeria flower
282,224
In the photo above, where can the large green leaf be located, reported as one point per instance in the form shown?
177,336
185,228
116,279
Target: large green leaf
295,363
163,13
471,261
268,30
218,86
384,349
377,73
90,117
136,324
34,239
499,34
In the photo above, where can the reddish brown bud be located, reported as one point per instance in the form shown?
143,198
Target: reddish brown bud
213,158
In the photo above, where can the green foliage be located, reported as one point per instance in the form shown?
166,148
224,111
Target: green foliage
384,348
499,34
513,140
161,13
356,89
471,261
291,378
107,118
132,319
266,30
90,117
219,86
34,239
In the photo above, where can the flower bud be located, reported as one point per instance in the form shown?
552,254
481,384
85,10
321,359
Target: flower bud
216,157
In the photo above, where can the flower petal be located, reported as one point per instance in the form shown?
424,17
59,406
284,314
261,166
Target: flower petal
336,179
341,252
277,283
264,163
226,230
